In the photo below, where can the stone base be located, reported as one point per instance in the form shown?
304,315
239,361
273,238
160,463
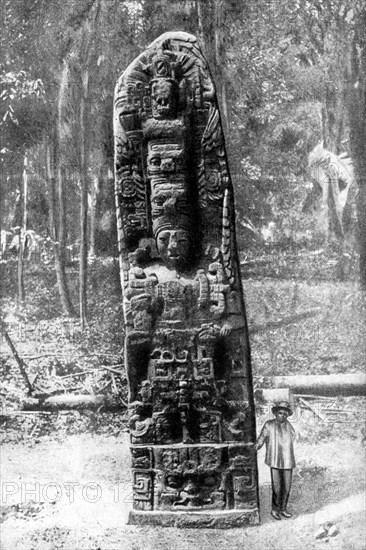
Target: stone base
199,520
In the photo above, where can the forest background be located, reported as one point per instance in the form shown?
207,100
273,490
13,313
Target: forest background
290,79
291,85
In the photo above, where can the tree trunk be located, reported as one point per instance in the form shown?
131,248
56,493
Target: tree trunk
25,192
59,264
21,289
211,22
333,118
84,64
93,206
200,17
360,169
22,232
61,212
219,20
273,395
322,384
285,321
356,105
83,216
102,403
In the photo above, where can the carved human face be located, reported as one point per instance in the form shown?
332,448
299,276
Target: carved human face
173,246
163,99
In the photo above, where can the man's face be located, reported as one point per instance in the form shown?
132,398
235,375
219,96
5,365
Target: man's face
173,247
281,415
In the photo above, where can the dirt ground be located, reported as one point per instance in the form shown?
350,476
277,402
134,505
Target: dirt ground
74,493
65,479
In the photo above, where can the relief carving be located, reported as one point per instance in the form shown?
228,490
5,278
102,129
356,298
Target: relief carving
186,348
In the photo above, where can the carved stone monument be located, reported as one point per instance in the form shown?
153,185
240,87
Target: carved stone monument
191,411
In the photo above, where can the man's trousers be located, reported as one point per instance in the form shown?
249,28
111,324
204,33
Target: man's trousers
281,485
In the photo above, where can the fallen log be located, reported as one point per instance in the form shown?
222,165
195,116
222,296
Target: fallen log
320,384
303,385
285,321
55,403
271,396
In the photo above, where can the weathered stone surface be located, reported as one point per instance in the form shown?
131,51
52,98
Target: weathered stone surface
194,520
191,410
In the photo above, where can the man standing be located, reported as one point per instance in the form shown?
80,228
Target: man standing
278,435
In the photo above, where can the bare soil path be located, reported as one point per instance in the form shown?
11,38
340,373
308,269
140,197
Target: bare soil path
75,494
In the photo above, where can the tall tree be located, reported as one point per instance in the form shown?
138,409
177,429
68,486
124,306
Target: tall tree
86,53
356,106
74,120
212,26
22,231
52,154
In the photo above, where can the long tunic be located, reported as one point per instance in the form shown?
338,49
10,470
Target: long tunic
278,438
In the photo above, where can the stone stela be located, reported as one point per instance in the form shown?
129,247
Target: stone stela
191,409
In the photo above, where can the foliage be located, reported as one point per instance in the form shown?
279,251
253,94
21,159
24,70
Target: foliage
278,64
61,359
22,111
329,341
283,73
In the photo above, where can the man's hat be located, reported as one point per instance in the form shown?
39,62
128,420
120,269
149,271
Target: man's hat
282,405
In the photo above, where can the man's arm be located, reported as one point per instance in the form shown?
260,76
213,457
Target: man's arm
293,433
262,437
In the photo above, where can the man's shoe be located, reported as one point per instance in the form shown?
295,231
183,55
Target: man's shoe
285,514
275,514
